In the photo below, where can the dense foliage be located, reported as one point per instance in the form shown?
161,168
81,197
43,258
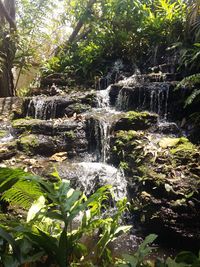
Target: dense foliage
134,31
61,225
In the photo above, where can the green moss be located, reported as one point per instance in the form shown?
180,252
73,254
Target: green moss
132,115
182,144
70,135
27,143
2,133
24,122
126,136
124,165
133,120
79,108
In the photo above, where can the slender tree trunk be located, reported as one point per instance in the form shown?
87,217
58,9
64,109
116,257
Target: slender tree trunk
7,47
74,36
80,23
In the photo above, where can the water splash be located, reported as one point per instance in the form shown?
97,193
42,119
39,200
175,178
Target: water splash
89,176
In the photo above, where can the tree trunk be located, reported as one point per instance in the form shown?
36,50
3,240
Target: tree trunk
80,23
7,48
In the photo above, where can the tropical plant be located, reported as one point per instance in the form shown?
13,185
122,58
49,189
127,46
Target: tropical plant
49,229
192,84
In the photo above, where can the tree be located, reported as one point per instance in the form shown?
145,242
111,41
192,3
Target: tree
7,46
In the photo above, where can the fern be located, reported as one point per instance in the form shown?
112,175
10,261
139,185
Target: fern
8,177
191,98
19,188
23,193
189,82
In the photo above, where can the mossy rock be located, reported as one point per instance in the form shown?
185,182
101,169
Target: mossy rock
37,144
163,180
24,124
3,133
7,150
133,120
76,108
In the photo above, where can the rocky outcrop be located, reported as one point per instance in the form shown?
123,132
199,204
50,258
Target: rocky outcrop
163,181
48,137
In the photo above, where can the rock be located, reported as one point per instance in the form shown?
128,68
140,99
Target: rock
59,157
164,178
45,107
7,151
76,108
136,121
114,92
11,107
37,144
168,128
49,137
49,127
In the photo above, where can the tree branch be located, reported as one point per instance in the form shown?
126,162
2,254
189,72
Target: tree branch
7,16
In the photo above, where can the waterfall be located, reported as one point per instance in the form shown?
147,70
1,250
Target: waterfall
103,99
105,140
111,77
122,102
99,138
41,108
151,97
159,95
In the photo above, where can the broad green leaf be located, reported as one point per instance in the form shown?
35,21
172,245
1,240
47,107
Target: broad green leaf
35,208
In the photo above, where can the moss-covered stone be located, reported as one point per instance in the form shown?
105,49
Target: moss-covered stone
70,135
133,120
3,133
167,170
24,124
28,143
76,108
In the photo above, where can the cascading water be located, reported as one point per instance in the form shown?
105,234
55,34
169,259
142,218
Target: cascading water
89,176
136,94
41,108
7,133
111,77
103,98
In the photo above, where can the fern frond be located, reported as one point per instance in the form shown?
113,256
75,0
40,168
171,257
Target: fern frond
192,97
23,193
189,82
8,177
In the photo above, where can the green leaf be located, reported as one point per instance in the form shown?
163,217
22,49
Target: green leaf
35,208
16,250
62,249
